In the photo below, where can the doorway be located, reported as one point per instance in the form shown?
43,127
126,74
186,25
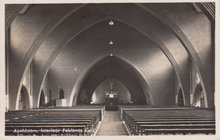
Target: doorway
24,101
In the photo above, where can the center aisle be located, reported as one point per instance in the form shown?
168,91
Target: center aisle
111,125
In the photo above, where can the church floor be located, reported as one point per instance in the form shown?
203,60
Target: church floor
111,125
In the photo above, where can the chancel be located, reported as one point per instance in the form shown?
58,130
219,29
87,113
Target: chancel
110,69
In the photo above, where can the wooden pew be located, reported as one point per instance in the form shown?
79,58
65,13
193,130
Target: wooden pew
172,121
45,130
181,131
53,122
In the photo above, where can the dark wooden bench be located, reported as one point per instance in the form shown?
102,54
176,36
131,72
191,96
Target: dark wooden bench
172,121
52,122
182,131
45,130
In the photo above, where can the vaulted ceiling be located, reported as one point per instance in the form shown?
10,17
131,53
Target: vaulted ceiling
63,43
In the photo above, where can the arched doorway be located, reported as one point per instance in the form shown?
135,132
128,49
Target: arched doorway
112,67
180,100
198,97
42,99
24,101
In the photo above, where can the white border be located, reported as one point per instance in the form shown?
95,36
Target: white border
2,74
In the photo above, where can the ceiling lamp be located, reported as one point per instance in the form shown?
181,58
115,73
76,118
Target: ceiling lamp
111,23
111,42
111,54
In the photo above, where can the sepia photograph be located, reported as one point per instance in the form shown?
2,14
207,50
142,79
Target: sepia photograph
110,69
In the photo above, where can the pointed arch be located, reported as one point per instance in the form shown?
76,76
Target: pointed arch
28,58
188,46
149,35
23,100
180,98
102,67
199,97
42,101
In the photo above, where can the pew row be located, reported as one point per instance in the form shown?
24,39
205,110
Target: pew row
169,121
52,122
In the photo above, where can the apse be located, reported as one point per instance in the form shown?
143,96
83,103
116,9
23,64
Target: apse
108,86
112,67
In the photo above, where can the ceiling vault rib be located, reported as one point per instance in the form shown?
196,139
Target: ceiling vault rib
149,35
183,38
164,49
62,45
49,28
11,11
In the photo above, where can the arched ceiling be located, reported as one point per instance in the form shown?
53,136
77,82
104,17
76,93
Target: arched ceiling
72,28
132,47
68,40
113,67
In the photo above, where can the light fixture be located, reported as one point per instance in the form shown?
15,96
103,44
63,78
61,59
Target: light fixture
111,54
111,42
75,69
111,23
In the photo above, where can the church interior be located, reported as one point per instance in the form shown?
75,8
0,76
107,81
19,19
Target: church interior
110,69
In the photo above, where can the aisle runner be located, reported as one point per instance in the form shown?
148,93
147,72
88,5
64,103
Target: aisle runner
111,125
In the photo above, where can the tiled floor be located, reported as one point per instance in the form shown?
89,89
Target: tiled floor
111,125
